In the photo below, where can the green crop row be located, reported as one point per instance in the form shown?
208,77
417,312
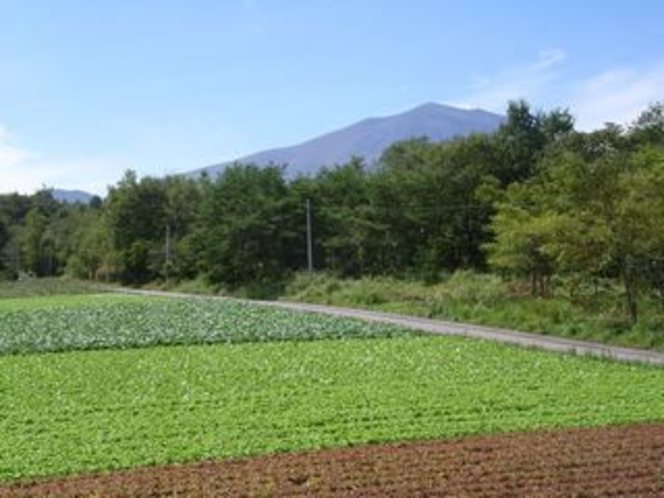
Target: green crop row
94,410
102,321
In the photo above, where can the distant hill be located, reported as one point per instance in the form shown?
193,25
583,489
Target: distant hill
370,137
71,196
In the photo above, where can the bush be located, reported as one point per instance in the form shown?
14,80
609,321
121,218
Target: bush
476,289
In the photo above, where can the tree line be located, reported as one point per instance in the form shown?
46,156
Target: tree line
537,199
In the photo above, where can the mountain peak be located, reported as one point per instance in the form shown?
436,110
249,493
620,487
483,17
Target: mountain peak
370,137
434,106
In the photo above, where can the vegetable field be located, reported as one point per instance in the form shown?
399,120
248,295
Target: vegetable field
615,461
65,323
219,378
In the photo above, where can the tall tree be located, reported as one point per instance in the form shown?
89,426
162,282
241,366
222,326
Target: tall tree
345,223
591,217
524,136
182,200
136,211
37,247
241,225
649,126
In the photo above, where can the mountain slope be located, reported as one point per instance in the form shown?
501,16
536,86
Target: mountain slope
71,196
369,138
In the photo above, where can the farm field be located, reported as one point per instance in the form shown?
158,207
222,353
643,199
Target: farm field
96,321
230,379
615,461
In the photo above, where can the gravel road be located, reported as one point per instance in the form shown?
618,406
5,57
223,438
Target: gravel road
442,327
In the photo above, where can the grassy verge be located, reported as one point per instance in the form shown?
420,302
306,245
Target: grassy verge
56,286
488,300
94,410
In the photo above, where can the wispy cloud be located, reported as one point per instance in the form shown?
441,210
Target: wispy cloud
531,81
26,171
10,154
616,95
12,160
547,59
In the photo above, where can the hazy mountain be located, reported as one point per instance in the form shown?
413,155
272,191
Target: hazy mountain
369,138
71,196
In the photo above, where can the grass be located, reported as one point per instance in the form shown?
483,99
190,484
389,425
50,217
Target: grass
97,321
488,300
56,286
96,410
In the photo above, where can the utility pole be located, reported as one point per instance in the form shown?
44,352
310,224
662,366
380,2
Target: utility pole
167,251
310,251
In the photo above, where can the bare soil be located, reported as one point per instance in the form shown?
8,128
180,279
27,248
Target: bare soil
588,462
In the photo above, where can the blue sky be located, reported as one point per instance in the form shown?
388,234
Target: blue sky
90,88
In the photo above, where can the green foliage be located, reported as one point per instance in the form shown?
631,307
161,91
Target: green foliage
524,137
146,230
522,231
35,243
44,236
595,215
432,220
649,126
241,230
4,239
91,246
345,219
137,224
534,200
100,410
197,286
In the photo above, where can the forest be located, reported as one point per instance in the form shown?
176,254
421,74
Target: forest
538,201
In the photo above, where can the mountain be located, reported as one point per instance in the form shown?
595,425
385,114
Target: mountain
370,137
71,196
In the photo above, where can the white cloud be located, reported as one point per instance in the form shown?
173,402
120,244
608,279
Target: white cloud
25,171
616,95
10,155
547,59
532,82
12,159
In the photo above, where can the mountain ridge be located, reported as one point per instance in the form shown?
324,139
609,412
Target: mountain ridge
368,138
71,196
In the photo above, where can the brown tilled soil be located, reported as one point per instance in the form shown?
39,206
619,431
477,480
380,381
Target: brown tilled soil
614,461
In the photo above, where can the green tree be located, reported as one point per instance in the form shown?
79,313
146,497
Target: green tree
241,228
345,226
648,129
591,214
37,248
92,252
425,196
136,218
4,239
524,136
523,231
182,201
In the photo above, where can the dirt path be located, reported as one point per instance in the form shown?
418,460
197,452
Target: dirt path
442,327
592,462
526,339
